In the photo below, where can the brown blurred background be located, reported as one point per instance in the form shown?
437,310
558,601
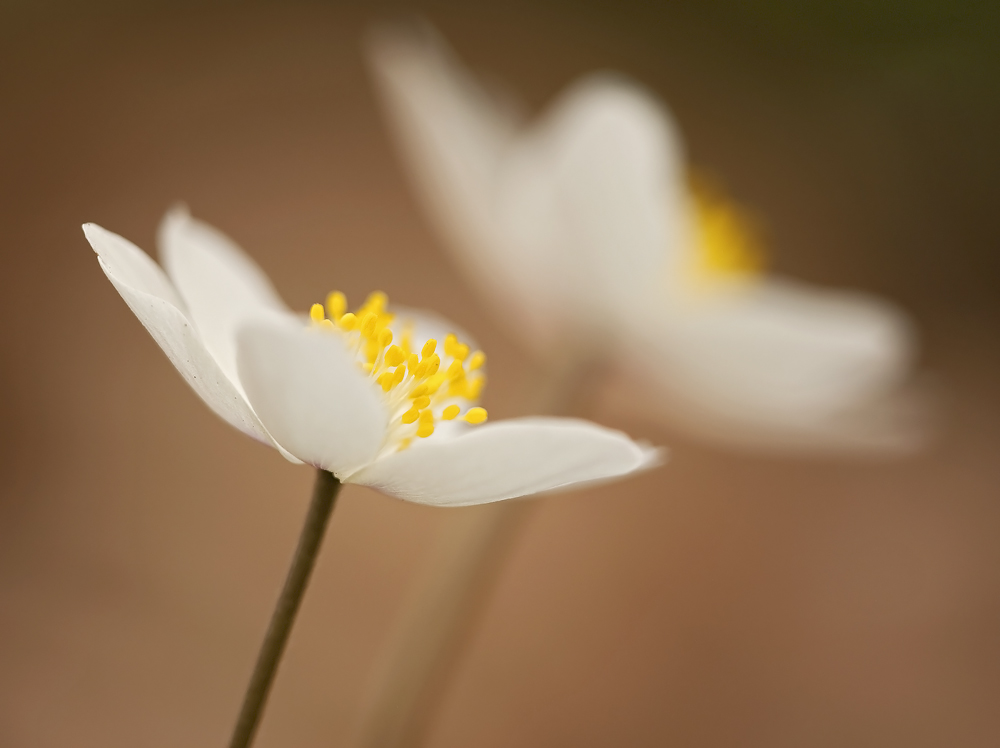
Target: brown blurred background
725,600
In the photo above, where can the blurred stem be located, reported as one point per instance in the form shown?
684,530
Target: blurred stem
324,496
447,602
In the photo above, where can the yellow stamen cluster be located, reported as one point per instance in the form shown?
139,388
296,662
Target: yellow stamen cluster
417,384
729,242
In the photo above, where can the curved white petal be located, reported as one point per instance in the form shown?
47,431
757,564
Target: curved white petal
781,362
894,423
609,198
786,346
454,138
452,132
150,296
310,394
505,460
221,286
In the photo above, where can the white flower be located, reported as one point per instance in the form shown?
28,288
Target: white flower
586,233
336,392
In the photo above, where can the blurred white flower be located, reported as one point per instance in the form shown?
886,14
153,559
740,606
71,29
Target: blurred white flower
334,390
585,231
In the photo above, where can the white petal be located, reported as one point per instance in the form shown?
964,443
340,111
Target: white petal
454,138
897,423
150,296
787,346
505,460
616,201
451,130
310,394
780,362
221,286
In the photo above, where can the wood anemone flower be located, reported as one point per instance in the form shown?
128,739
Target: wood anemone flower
587,225
369,395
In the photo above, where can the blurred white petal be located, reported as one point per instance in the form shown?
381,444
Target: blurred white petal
779,345
455,138
895,423
310,393
785,366
506,460
613,209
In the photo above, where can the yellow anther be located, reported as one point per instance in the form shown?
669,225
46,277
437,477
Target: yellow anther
474,387
426,425
394,356
368,323
475,415
459,388
477,360
434,382
729,237
390,361
336,305
406,340
376,302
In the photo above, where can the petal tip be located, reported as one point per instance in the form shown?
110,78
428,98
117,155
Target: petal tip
175,219
179,211
651,457
97,235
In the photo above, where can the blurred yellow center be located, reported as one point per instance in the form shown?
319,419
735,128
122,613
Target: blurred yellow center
728,243
422,387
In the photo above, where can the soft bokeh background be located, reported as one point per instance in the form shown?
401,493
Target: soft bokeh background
726,600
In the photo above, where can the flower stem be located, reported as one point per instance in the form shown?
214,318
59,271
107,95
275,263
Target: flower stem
439,619
324,496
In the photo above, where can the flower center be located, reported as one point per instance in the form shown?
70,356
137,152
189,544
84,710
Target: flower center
729,244
422,384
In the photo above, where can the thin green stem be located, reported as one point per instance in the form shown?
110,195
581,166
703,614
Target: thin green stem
324,496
